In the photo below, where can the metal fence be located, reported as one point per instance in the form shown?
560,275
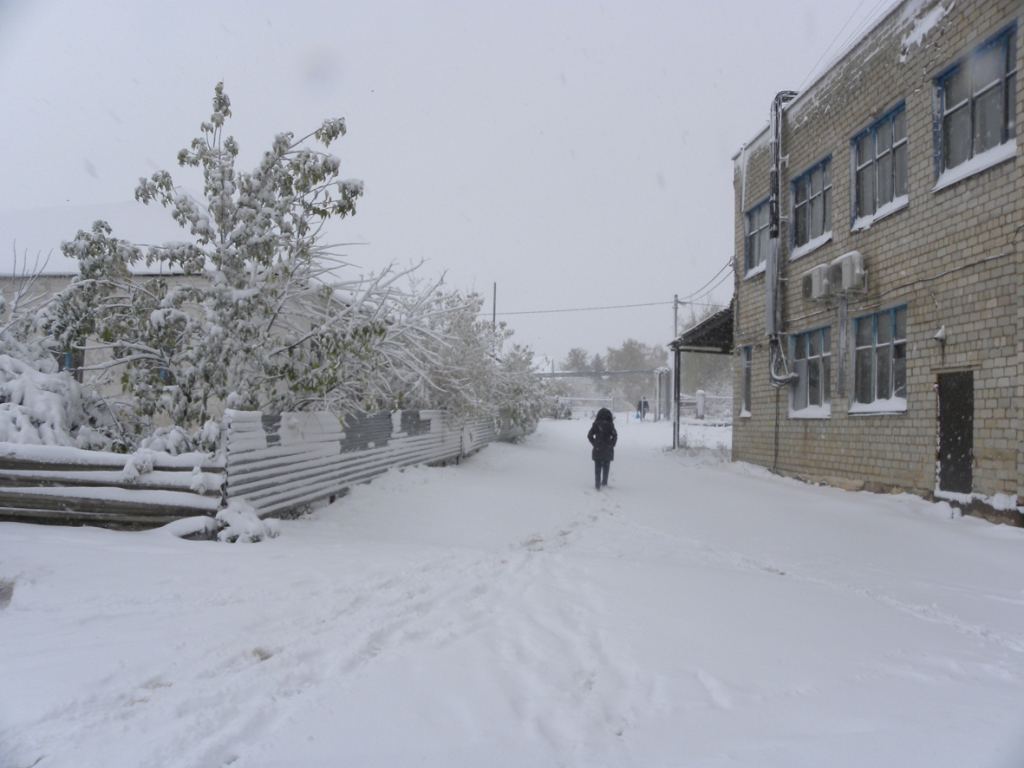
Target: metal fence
277,464
702,406
49,484
281,463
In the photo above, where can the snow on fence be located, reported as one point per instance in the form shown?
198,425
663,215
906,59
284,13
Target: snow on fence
50,484
277,464
701,406
282,463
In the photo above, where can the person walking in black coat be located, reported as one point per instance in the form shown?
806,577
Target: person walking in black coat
602,437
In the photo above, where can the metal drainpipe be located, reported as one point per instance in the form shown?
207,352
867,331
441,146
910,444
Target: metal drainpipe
778,367
676,381
779,374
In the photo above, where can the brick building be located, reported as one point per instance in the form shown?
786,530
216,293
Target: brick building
879,306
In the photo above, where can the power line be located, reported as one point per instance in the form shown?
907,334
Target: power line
587,309
828,48
598,309
700,293
867,20
706,292
727,265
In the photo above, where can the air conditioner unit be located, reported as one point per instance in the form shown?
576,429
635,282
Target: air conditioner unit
815,283
847,273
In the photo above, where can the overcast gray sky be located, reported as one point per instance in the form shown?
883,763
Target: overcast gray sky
578,154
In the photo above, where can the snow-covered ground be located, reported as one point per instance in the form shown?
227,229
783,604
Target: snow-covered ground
503,613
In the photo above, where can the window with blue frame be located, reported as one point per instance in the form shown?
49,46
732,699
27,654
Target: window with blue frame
757,236
880,164
812,203
977,100
812,363
164,374
748,355
72,360
880,358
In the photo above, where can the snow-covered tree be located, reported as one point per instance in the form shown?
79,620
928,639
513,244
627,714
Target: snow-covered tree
473,370
254,310
577,360
634,355
250,311
520,396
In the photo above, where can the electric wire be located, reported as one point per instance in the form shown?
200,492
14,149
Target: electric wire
829,48
706,293
692,299
727,265
589,309
869,18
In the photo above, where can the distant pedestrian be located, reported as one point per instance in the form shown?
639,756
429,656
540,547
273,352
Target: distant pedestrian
644,408
602,437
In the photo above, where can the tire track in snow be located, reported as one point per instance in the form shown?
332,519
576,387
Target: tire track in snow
194,702
932,614
568,684
209,701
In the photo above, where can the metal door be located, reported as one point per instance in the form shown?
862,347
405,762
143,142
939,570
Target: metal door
956,431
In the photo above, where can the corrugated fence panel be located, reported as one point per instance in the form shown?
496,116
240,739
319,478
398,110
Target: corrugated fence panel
65,485
278,464
284,463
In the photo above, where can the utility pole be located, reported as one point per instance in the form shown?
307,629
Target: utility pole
494,309
676,380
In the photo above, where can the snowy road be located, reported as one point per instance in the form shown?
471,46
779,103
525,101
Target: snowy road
503,613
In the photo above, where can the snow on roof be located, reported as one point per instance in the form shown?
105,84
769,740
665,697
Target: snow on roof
908,12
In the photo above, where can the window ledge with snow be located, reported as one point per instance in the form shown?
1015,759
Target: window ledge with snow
812,412
897,204
977,164
894,405
811,245
759,269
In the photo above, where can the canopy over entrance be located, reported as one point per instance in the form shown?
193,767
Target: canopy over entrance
713,335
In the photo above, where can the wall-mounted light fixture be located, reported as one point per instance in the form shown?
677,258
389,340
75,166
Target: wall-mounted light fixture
940,336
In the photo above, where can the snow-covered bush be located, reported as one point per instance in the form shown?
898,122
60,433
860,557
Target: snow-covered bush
521,397
39,403
239,522
469,372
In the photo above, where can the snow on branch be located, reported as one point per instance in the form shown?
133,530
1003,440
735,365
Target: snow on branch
252,310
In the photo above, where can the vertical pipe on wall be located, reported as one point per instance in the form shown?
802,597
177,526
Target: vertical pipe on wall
675,398
778,367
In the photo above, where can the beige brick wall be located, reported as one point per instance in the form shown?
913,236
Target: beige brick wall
953,257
